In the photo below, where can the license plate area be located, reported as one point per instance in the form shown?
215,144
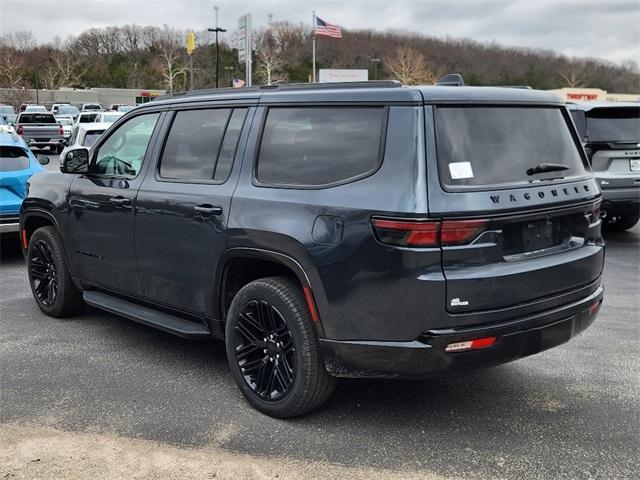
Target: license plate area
534,235
634,164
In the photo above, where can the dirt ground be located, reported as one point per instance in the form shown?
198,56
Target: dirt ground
44,453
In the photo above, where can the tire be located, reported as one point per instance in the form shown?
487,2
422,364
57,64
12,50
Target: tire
622,223
276,304
49,276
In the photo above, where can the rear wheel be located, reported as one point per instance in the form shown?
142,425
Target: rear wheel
272,349
49,276
622,222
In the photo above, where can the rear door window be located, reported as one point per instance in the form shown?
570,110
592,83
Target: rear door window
201,144
320,146
484,147
13,158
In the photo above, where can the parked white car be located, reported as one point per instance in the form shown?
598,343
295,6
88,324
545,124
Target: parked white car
84,135
67,124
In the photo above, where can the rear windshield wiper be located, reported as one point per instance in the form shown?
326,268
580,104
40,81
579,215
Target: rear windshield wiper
546,167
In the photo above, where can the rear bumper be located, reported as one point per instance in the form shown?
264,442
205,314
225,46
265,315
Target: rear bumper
426,357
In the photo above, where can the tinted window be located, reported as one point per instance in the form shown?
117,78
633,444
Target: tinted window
621,124
229,145
37,118
320,146
123,152
90,137
88,118
197,146
483,146
580,123
13,158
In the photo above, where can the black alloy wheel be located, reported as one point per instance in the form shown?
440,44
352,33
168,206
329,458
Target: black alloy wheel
44,275
264,350
49,276
273,350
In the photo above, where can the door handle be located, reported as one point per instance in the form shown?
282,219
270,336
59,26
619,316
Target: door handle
120,201
206,209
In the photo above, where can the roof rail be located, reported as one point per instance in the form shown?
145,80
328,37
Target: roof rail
287,87
452,80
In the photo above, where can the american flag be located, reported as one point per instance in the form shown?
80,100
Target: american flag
238,83
327,29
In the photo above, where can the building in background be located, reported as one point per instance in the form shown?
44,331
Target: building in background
104,96
578,94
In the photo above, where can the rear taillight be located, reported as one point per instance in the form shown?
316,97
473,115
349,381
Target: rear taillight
427,233
61,130
406,233
20,130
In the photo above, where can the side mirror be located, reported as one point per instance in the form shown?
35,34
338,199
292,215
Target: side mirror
75,160
42,159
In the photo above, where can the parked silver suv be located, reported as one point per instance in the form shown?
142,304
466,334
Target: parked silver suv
610,132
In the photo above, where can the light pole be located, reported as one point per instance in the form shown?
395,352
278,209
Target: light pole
217,30
375,62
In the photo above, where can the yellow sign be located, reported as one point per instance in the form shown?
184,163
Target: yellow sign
191,42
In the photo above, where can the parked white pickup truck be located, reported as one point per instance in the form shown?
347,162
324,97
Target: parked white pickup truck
40,130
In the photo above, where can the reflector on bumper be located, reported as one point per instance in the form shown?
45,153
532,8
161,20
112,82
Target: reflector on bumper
471,344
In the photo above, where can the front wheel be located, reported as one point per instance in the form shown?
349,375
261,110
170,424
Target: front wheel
49,276
272,349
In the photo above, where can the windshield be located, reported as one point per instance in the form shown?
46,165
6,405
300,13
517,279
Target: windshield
65,121
37,118
35,108
92,107
110,117
126,108
619,124
91,137
68,110
494,146
7,110
13,158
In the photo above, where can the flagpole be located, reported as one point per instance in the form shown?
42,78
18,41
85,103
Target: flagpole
313,47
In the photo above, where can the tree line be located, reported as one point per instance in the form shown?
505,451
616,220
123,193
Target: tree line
140,57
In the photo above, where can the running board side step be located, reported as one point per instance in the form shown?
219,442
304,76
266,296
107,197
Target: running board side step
147,316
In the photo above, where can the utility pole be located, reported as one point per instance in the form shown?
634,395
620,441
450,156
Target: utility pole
217,30
375,62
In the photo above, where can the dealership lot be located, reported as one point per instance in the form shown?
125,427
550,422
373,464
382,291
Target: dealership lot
567,413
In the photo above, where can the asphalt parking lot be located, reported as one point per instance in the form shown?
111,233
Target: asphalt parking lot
571,412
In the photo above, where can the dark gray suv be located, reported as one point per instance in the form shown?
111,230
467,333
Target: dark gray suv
322,231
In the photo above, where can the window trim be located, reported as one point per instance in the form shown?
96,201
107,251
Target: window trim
199,181
96,147
511,186
381,147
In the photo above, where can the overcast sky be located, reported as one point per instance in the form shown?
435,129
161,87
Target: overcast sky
607,29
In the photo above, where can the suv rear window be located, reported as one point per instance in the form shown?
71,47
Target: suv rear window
617,124
12,159
320,146
37,118
495,146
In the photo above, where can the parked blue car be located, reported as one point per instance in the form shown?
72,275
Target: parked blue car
17,165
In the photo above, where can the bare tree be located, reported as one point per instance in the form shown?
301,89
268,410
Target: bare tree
170,52
574,76
409,66
11,62
271,61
